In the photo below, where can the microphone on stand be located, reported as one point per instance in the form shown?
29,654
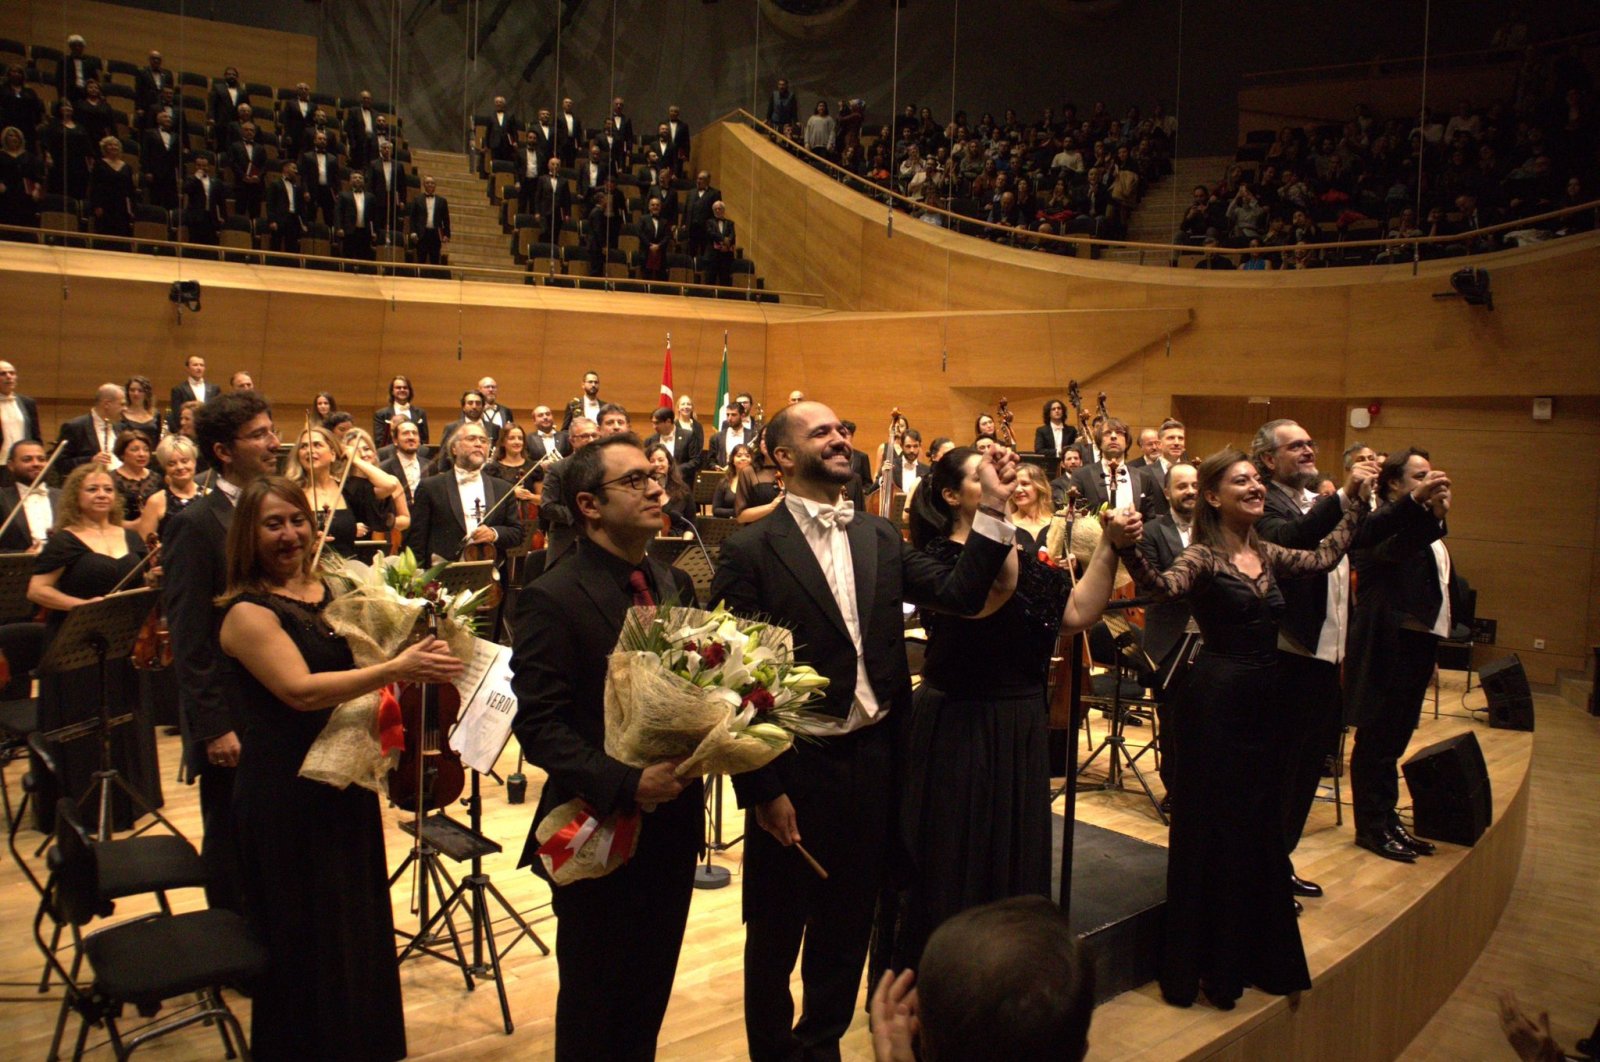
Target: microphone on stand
679,520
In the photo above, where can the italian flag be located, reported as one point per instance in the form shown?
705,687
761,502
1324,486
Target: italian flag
724,396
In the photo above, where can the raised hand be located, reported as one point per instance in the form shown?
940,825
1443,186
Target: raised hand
1361,479
1124,528
997,474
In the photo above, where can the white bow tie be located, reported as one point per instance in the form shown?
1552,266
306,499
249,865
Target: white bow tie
463,476
836,515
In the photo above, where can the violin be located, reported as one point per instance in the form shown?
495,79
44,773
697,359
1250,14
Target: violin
1004,415
483,551
152,651
428,774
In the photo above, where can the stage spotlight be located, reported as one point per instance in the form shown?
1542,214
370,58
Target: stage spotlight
1473,285
186,293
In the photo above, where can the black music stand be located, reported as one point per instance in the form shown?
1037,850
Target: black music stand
16,569
93,635
1115,744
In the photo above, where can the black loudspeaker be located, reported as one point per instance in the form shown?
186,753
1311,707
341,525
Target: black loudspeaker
1510,701
1450,796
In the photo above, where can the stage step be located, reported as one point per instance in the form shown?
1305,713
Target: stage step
477,238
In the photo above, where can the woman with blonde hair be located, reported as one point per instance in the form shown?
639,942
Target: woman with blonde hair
346,515
178,456
111,192
1030,504
387,493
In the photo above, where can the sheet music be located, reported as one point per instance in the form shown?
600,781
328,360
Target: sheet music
487,706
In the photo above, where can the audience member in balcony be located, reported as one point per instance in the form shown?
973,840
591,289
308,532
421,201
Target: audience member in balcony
203,197
222,104
95,114
20,106
1303,257
822,131
552,199
501,139
429,220
783,106
247,160
698,211
77,70
594,172
68,152
569,134
362,127
149,82
1255,260
111,191
720,238
21,182
678,130
1211,259
1247,218
319,127
286,211
386,182
160,163
655,241
613,148
294,118
1575,195
319,170
358,229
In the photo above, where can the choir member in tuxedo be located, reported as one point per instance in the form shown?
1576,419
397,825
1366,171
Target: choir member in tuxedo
593,172
231,131
222,102
662,148
544,439
202,203
247,161
720,238
386,183
408,461
362,127
1054,434
552,199
453,510
77,70
655,241
617,936
613,148
160,161
92,436
621,124
529,162
733,433
149,83
698,211
286,210
503,132
32,526
319,170
294,118
493,412
402,404
546,129
1133,487
1409,592
235,431
318,127
556,517
569,134
429,217
19,414
588,404
358,219
1167,622
194,388
678,132
838,580
662,189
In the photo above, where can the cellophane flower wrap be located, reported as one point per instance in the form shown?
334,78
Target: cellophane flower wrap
383,608
721,693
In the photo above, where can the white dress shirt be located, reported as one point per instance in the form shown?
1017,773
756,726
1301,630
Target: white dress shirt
13,425
1058,431
411,466
1441,561
474,498
1336,612
105,434
198,389
429,201
731,437
591,408
36,509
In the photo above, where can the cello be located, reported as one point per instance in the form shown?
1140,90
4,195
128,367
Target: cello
1004,416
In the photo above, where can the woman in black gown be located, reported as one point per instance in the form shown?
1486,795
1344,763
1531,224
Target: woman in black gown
69,152
977,806
1230,918
111,192
87,555
136,481
311,856
351,514
725,500
22,177
759,491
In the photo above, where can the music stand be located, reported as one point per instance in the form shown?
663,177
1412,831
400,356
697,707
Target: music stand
1115,743
93,635
16,569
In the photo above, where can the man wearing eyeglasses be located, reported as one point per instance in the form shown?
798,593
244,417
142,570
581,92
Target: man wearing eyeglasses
461,507
617,936
235,433
559,523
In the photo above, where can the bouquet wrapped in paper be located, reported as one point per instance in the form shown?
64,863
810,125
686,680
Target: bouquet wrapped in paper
379,614
725,695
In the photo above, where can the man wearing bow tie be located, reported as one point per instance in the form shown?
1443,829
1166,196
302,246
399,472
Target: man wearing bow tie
837,579
453,510
92,436
1133,488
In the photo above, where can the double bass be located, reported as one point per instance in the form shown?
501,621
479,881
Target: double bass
882,500
1004,417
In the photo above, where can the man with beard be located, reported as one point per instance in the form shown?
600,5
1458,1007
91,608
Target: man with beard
586,406
33,525
472,407
544,440
406,461
1133,488
453,510
837,579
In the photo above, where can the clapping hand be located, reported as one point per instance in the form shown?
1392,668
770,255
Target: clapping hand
894,1017
1124,528
997,474
1434,492
1361,479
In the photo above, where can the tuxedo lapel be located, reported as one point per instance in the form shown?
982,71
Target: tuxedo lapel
863,536
452,494
787,541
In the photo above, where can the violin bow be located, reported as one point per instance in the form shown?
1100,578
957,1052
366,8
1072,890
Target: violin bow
38,486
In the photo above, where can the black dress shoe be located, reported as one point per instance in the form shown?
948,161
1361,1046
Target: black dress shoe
1398,832
1387,847
1166,806
1299,909
1302,887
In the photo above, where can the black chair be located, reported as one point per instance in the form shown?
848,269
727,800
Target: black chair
142,962
714,530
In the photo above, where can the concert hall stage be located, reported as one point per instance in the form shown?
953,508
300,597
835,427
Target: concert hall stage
1387,946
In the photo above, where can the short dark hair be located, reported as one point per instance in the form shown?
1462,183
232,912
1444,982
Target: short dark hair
911,433
847,425
336,418
662,413
585,470
126,438
1005,980
469,392
219,421
609,408
1170,423
1394,467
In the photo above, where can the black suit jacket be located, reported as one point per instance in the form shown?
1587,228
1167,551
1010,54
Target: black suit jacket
1044,440
380,425
378,185
195,559
361,145
688,447
538,450
293,122
682,141
654,229
181,394
308,171
1163,621
278,193
719,446
67,83
241,158
721,230
567,624
147,86
1396,580
589,183
767,569
390,463
567,142
19,537
222,108
158,162
417,214
1091,484
500,137
439,526
82,443
202,206
347,215
697,211
30,422
551,192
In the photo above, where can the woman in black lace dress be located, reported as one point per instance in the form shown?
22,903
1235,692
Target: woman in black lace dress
1230,918
977,806
311,856
136,481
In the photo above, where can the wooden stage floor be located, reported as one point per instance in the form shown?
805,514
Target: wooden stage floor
1544,947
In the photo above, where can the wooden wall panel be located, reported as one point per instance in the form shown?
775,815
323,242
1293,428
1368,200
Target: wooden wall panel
1322,101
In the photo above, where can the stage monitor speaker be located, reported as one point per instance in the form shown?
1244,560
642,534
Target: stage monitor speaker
1450,796
1510,701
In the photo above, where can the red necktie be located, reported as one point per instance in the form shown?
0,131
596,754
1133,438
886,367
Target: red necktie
642,597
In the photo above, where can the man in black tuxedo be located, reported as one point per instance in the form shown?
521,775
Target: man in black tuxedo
358,219
530,162
544,439
222,103
655,241
160,160
503,132
92,436
556,518
546,129
149,81
445,516
615,150
319,170
235,433
194,388
407,459
588,404
617,936
1054,434
1071,461
429,217
569,134
552,199
684,442
593,173
720,239
837,579
247,161
32,526
678,133
733,433
77,70
1401,613
402,403
472,406
1134,488
907,467
385,179
19,414
318,127
294,118
662,147
622,125
493,412
286,210
362,127
698,211
203,197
